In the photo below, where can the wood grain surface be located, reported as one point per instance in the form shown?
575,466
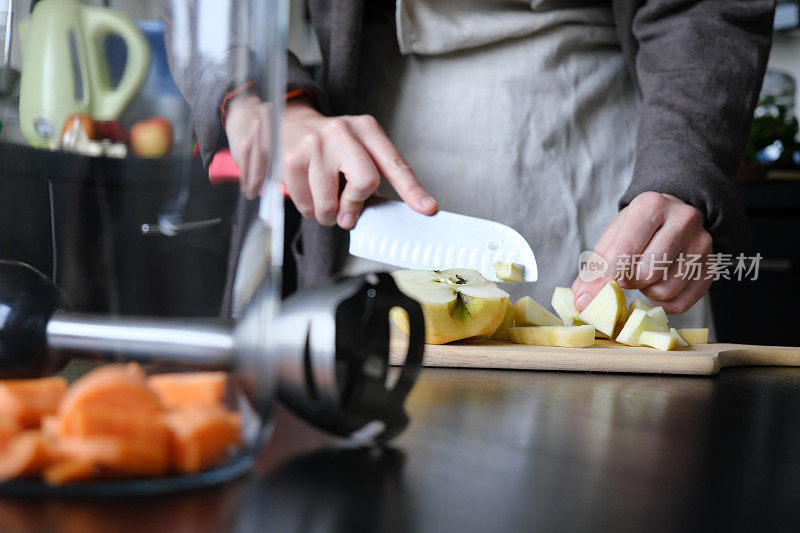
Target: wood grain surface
604,356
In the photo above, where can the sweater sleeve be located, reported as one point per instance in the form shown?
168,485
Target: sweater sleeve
699,65
204,79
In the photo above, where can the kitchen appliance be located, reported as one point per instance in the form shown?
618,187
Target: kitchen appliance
604,356
325,350
391,232
64,69
323,353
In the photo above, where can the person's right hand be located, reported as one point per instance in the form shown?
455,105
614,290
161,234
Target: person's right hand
315,151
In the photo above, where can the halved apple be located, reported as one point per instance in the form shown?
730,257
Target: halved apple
457,303
606,310
530,313
681,341
563,302
694,335
564,336
501,333
660,340
638,322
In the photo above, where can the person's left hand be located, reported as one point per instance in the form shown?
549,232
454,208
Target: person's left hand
652,225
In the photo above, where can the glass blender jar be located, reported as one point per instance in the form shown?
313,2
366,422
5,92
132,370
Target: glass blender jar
106,192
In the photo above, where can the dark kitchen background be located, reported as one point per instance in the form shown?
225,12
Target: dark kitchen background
80,218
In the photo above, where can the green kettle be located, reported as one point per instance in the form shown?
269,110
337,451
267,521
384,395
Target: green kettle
64,69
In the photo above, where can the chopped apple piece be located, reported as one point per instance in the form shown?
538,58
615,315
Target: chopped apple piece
563,302
509,272
565,336
638,322
606,310
659,340
501,333
694,335
681,341
658,314
638,304
529,313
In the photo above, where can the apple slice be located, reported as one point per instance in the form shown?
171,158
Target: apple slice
660,340
694,335
457,303
681,341
509,272
564,336
638,322
606,310
563,302
638,304
658,314
530,313
501,333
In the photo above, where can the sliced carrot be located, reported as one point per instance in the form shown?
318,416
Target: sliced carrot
25,401
120,387
69,471
51,425
200,436
98,421
8,429
193,388
25,454
116,455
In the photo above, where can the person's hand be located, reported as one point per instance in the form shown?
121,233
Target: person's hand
247,126
653,225
316,150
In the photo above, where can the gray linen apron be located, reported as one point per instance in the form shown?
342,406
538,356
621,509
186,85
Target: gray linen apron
515,111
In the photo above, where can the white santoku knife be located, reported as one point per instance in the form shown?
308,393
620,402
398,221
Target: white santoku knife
391,232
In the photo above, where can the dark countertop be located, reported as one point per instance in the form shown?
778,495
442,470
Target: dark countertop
507,451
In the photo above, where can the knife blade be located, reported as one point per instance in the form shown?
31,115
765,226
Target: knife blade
391,232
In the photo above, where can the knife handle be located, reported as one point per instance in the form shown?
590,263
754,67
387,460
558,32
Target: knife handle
223,169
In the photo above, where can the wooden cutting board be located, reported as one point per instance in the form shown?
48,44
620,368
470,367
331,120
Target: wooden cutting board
604,356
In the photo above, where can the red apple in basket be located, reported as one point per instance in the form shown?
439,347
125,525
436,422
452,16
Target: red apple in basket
151,137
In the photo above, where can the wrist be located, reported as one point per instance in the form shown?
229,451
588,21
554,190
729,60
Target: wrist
242,93
299,107
242,103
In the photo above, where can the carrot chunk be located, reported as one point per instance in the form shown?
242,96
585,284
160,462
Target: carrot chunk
25,401
119,387
142,427
177,389
25,454
69,471
116,455
51,425
114,422
8,429
200,436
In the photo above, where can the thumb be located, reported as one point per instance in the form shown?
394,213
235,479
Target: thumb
585,291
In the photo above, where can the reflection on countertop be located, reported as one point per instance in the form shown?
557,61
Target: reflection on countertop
507,451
